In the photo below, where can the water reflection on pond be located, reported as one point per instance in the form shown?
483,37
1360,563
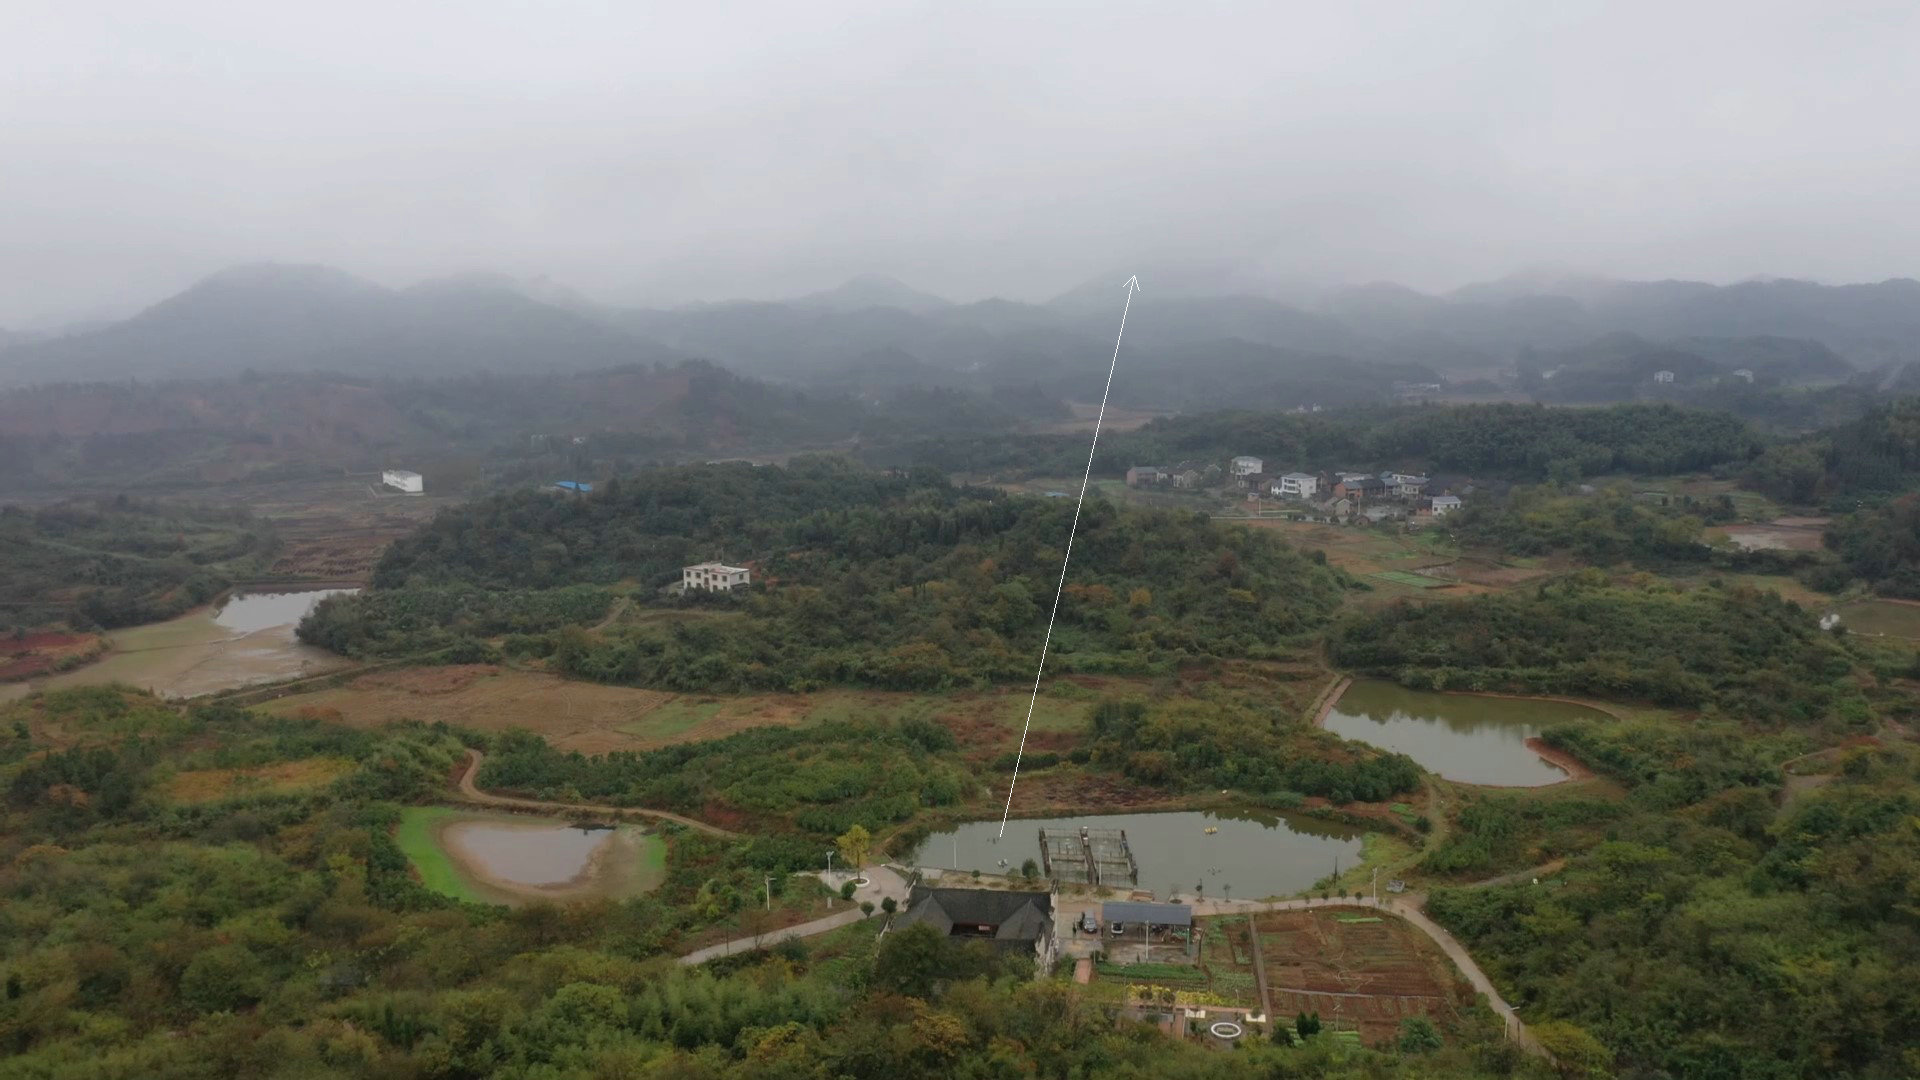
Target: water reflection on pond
246,613
1464,737
248,640
1251,853
526,854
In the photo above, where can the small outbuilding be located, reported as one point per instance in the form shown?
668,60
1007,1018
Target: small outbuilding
404,481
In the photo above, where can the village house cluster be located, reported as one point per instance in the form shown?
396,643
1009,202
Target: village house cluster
1339,496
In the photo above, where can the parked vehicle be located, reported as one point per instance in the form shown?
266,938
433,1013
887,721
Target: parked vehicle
1119,928
1088,924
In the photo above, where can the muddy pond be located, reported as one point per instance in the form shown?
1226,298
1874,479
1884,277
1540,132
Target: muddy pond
249,639
1465,737
1248,853
514,858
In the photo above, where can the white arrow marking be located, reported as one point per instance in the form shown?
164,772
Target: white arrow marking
1132,286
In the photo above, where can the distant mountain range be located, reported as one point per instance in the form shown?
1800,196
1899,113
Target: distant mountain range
1190,344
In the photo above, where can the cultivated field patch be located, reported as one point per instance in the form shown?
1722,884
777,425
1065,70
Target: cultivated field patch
1358,970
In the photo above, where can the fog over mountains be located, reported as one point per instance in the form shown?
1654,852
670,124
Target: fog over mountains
1188,346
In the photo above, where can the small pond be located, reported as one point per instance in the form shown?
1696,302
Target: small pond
249,639
525,854
1465,737
245,613
500,858
1251,853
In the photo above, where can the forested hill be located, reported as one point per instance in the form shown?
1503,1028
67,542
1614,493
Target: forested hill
1872,457
863,578
118,562
1518,442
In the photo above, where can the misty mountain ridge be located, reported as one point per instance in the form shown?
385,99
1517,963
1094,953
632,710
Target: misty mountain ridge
275,317
873,291
877,332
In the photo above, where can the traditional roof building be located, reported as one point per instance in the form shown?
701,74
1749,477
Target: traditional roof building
1014,922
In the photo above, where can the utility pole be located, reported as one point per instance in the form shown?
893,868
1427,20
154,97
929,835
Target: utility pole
769,892
829,879
1376,886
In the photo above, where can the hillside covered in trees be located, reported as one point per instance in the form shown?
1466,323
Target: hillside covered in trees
1516,442
117,562
1870,458
1740,650
896,581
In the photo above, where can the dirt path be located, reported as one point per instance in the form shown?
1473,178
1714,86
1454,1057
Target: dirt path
1328,698
472,793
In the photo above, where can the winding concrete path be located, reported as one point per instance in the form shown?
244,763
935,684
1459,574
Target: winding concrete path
469,792
882,883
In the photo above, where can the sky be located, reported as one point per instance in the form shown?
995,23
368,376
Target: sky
650,153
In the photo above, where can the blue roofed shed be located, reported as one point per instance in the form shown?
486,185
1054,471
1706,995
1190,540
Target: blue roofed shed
582,486
1133,911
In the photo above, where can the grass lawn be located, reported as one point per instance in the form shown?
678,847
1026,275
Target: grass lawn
1411,580
672,719
1882,617
436,869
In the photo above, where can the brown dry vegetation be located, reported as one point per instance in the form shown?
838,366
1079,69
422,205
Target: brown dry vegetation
593,718
280,778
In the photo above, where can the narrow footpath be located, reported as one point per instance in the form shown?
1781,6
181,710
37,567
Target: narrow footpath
469,792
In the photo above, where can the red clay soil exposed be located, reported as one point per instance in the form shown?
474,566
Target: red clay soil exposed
43,652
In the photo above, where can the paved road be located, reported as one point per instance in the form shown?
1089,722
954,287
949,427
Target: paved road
472,794
884,883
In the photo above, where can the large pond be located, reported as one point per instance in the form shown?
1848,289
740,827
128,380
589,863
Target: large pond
512,859
247,640
1464,737
1249,853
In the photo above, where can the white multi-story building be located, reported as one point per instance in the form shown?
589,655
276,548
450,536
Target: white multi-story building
1403,484
412,483
1247,466
713,576
1296,485
1663,376
1445,504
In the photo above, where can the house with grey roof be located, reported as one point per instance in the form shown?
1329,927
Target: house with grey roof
1013,922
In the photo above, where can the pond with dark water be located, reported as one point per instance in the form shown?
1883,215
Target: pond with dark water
1251,853
1470,738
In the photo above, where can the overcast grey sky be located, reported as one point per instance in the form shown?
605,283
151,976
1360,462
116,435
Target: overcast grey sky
652,152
